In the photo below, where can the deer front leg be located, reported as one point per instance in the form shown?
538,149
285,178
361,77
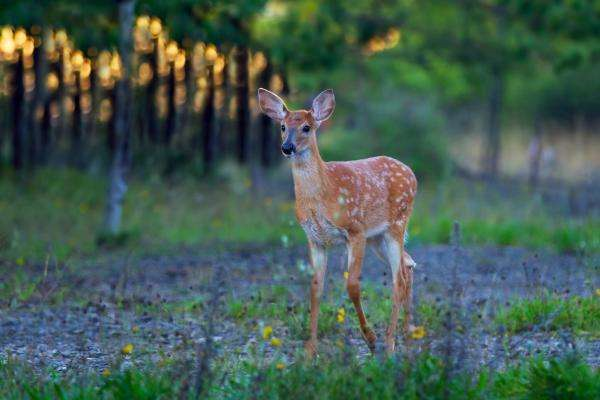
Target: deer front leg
401,288
318,260
356,250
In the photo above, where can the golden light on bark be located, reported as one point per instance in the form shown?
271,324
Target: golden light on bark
210,54
77,60
171,50
142,22
52,81
155,27
28,47
380,43
61,37
145,73
180,59
115,66
20,38
86,68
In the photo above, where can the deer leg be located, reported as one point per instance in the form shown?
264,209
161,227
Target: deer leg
318,260
401,288
356,250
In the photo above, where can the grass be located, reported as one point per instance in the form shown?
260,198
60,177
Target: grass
58,213
279,307
551,313
334,378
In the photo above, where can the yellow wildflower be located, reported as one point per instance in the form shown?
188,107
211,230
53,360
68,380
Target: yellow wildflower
346,275
105,372
341,315
135,329
598,292
418,332
127,349
275,342
280,366
267,332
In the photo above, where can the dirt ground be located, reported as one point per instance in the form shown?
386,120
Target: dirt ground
116,300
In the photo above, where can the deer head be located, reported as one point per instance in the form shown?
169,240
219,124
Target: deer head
298,128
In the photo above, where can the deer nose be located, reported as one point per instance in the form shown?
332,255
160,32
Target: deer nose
288,148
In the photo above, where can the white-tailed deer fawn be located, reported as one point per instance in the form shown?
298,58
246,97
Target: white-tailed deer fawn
349,202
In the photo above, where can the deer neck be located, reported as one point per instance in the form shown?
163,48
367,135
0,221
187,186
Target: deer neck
310,176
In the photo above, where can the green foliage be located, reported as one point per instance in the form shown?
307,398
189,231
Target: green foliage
489,217
580,314
572,96
567,378
56,214
337,378
398,127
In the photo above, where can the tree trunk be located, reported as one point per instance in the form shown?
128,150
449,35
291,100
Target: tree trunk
535,153
18,102
267,146
76,129
208,121
223,138
39,93
491,158
120,156
172,110
241,62
150,117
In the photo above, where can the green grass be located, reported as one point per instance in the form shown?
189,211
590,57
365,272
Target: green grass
277,306
550,313
58,213
334,378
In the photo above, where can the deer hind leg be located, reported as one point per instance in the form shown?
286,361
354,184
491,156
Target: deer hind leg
356,250
318,260
401,267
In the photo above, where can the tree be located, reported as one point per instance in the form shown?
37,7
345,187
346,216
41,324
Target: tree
120,156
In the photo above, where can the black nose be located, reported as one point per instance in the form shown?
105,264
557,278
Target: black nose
288,148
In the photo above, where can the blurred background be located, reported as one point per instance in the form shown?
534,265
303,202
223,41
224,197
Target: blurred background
135,123
148,240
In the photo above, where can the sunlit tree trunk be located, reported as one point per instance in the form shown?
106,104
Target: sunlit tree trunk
120,156
37,102
151,112
18,102
208,122
172,110
224,125
241,62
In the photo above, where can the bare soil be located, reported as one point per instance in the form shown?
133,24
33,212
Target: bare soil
116,300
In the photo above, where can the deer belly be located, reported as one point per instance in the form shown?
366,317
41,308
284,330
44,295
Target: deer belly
323,232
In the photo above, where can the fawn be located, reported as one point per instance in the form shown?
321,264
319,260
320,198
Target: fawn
348,202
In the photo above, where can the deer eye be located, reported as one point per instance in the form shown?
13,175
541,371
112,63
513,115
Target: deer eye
305,128
282,128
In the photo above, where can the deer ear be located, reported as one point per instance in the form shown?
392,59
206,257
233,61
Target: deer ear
323,105
271,105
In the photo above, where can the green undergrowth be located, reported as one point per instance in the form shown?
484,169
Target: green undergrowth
279,307
340,377
58,213
551,313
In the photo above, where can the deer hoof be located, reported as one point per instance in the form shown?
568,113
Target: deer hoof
310,347
390,346
370,338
